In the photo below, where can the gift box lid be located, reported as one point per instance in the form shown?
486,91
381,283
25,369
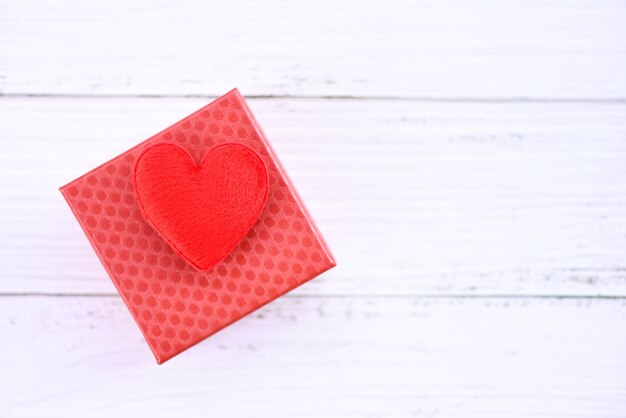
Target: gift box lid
175,304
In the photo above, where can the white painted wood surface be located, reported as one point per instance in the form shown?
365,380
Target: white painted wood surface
415,198
466,161
313,357
451,49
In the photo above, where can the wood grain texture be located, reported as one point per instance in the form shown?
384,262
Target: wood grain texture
429,49
312,357
414,198
466,161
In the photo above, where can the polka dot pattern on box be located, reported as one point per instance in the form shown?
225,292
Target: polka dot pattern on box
174,304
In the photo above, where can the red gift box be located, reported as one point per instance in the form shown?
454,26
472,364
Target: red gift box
175,304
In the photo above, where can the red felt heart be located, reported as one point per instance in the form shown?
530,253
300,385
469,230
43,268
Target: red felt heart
203,211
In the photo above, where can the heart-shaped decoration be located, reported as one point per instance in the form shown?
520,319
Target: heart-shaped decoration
202,211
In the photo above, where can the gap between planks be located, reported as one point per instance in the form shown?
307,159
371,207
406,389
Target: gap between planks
417,99
350,296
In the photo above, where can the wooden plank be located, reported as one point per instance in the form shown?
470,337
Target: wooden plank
329,357
452,49
413,198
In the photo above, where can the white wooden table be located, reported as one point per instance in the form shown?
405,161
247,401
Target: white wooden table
466,161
